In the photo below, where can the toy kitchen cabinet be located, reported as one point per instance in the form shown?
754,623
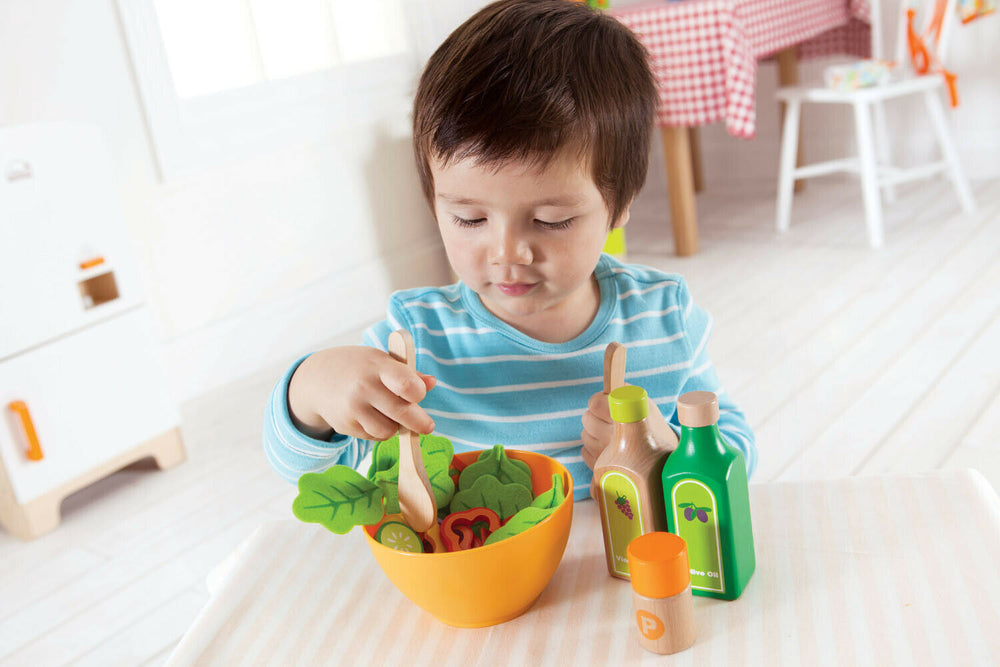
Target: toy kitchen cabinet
82,387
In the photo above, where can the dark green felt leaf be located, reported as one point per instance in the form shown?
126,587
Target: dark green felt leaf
520,522
496,463
338,499
504,499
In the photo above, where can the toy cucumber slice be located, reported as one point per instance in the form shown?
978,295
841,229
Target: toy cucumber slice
399,536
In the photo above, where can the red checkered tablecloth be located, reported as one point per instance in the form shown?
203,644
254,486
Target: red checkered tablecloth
705,52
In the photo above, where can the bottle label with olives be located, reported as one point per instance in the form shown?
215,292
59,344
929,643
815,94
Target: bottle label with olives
695,514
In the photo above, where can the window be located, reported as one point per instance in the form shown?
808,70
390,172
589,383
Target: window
224,79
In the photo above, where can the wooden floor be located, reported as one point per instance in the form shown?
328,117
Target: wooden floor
847,361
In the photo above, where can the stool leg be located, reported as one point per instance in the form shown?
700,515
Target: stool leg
786,168
869,176
883,145
949,151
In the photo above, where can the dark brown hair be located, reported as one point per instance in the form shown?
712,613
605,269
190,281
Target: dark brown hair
522,79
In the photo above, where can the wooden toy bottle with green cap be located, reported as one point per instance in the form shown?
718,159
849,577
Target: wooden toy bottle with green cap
708,502
628,478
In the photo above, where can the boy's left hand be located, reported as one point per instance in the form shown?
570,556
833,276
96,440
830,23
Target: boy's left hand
598,428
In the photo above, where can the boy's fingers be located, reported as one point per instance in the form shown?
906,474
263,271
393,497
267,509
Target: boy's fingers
598,405
403,412
404,382
375,425
429,380
595,427
591,449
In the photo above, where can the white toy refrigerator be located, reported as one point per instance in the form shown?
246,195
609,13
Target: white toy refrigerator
82,385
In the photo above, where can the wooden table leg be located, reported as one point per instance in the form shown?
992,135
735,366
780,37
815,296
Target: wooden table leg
680,187
696,169
788,75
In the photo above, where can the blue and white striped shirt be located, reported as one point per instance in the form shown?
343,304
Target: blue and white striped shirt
497,385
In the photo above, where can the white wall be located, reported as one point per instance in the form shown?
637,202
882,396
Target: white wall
249,264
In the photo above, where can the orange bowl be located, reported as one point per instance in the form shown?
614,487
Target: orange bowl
490,584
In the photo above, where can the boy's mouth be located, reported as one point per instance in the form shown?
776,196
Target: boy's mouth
514,289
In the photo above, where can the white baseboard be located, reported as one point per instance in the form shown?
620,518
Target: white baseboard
305,320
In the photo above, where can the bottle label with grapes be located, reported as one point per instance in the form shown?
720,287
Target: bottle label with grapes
621,512
695,516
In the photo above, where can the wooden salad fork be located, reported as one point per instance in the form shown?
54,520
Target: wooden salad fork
416,497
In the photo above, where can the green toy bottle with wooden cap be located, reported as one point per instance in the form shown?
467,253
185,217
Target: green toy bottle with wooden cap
628,479
708,501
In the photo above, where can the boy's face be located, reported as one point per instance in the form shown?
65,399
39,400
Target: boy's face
526,239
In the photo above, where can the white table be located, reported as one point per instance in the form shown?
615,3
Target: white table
901,570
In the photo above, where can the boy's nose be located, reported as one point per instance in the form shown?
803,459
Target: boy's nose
510,248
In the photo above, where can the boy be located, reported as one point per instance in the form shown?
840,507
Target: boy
531,133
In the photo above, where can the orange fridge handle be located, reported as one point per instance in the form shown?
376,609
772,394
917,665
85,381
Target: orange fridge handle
34,449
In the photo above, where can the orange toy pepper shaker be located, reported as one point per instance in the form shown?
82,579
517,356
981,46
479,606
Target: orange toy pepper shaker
661,592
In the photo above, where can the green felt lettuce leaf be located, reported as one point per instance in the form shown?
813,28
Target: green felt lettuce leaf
435,450
520,522
553,497
338,499
384,471
504,499
385,456
391,490
496,463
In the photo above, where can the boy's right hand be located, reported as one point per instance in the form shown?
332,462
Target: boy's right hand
358,391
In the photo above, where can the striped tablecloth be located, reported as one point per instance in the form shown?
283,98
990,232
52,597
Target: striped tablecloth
705,52
896,570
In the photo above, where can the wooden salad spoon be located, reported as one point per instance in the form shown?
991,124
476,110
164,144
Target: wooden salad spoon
416,497
614,377
614,367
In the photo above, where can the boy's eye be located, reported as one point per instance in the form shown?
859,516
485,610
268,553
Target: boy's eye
464,222
561,224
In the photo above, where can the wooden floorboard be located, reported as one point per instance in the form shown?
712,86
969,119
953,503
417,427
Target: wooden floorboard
847,361
859,369
149,637
943,418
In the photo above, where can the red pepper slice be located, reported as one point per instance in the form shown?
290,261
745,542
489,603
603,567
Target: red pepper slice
458,532
456,468
466,539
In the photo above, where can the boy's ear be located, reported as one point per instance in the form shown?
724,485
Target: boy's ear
623,218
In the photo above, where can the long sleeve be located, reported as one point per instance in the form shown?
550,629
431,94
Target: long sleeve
495,385
702,377
292,453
